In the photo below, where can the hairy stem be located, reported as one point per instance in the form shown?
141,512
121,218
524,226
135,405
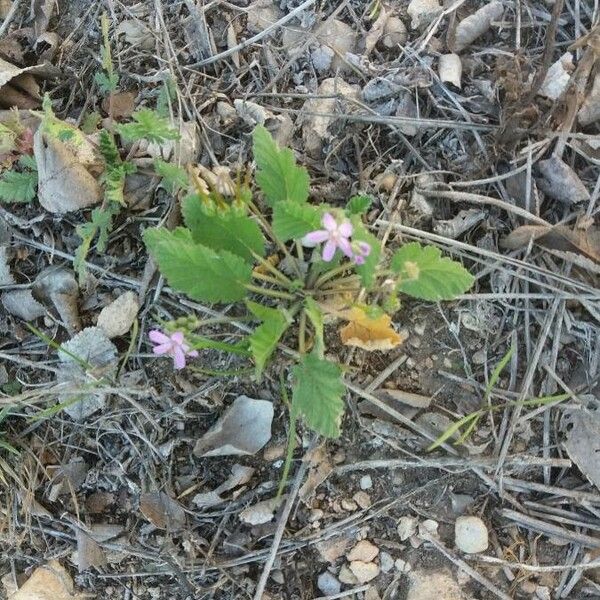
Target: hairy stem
269,292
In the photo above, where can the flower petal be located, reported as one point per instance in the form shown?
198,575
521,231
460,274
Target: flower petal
329,222
346,229
158,337
192,353
179,357
315,237
345,247
359,260
163,348
177,337
329,250
364,248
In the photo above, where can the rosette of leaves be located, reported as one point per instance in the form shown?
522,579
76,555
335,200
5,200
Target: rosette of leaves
220,255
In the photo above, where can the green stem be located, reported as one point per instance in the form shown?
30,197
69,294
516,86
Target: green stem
343,281
269,292
331,274
269,279
273,270
302,333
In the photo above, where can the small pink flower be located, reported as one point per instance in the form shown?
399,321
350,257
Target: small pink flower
360,250
335,235
174,345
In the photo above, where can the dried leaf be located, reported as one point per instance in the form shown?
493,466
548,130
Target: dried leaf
18,87
239,476
232,43
590,109
560,182
117,318
318,471
57,287
21,303
394,33
41,13
5,8
50,582
469,29
123,104
422,12
450,69
64,183
136,34
583,442
369,333
261,512
376,30
583,241
338,36
245,428
89,552
162,511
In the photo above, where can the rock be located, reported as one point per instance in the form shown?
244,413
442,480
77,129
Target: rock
329,584
422,12
117,318
394,33
471,535
330,550
364,571
402,566
407,527
262,14
366,483
338,36
428,528
6,277
22,304
433,585
362,499
364,551
347,576
386,562
245,428
261,512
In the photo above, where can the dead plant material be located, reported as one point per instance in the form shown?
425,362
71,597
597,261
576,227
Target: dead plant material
369,333
469,29
50,582
162,511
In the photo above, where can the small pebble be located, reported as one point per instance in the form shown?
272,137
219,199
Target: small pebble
364,571
372,594
406,527
386,562
366,483
362,499
315,515
429,527
364,551
402,566
347,576
420,329
349,505
328,584
471,535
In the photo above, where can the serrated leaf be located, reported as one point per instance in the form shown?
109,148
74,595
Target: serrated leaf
368,269
148,125
196,270
358,205
292,220
426,274
237,233
173,176
278,175
317,394
265,337
18,186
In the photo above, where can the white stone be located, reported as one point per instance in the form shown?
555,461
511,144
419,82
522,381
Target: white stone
366,483
364,551
471,535
328,584
386,562
406,527
364,571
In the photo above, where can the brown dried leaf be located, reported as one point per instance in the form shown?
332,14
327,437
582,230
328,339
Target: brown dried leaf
89,552
5,8
469,29
368,333
319,470
162,511
123,105
376,30
41,13
50,582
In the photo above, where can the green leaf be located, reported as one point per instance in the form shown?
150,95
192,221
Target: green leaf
8,139
237,233
278,175
317,394
18,186
292,220
425,274
173,176
315,315
148,125
454,429
366,270
498,371
265,337
106,82
358,205
197,270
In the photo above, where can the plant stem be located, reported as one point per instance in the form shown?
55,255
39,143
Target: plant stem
340,290
342,281
269,292
302,333
331,274
273,269
269,279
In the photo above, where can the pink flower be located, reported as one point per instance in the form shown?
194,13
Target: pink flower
334,235
173,345
361,250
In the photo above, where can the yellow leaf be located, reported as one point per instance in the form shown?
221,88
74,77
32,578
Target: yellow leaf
369,333
50,582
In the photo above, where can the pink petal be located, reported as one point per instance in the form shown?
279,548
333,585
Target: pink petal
329,222
345,229
329,250
315,237
192,353
177,337
345,247
158,337
163,348
359,260
364,248
179,358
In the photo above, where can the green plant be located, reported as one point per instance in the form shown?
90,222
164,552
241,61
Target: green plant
20,186
221,255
